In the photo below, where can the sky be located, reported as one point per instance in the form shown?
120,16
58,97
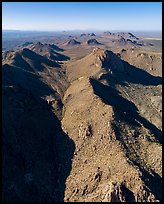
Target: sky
57,16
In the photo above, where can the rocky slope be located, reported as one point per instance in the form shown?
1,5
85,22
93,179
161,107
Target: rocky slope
114,158
85,130
150,62
49,51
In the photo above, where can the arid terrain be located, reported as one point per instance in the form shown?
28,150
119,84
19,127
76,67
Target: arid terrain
82,118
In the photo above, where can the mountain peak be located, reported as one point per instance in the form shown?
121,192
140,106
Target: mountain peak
93,42
39,43
107,59
73,42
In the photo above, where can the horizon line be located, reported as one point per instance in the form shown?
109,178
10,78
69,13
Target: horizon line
65,30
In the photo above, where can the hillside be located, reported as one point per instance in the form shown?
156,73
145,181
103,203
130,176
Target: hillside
86,129
49,51
112,138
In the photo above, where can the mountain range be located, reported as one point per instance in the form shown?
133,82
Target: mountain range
82,123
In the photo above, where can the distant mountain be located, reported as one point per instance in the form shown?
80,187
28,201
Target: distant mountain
28,60
122,42
55,47
125,35
92,34
48,50
26,44
87,34
107,33
73,42
83,34
133,36
93,42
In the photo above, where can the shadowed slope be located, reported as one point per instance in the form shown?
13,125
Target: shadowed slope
122,70
37,154
29,60
126,112
49,51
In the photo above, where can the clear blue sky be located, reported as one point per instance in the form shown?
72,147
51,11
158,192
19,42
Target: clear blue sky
55,16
